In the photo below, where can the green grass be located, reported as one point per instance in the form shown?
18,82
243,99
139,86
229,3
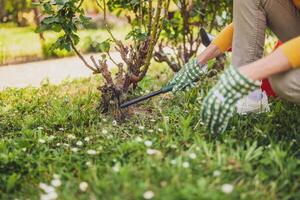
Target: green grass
23,43
258,155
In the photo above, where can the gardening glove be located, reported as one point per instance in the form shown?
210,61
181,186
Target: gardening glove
219,105
185,78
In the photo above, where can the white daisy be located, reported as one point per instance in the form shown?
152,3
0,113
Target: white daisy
185,164
116,168
43,186
66,145
79,143
56,183
74,149
52,137
174,162
216,173
91,152
109,136
148,194
71,136
83,186
193,156
49,196
47,188
227,188
42,141
148,143
153,152
138,139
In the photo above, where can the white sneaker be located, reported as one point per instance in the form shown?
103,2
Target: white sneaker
247,105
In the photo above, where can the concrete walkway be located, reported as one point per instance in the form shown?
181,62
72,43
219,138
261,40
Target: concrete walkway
57,70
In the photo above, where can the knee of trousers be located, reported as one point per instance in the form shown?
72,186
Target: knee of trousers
287,85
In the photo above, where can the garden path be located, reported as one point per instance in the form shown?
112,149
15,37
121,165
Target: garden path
55,70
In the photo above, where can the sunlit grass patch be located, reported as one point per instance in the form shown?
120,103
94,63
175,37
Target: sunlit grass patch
22,43
55,142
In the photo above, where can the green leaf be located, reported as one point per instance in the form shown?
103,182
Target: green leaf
12,181
60,2
104,46
48,8
35,4
75,39
56,27
41,28
84,19
50,20
137,34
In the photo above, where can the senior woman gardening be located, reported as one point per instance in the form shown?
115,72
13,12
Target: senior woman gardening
239,86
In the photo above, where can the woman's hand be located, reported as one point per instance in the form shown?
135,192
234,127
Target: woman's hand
219,105
185,78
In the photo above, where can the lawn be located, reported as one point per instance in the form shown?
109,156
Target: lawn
55,142
22,43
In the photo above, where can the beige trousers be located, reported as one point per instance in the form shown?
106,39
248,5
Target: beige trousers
251,18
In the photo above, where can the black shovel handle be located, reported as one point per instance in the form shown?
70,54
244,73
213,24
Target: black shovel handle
163,90
205,37
148,96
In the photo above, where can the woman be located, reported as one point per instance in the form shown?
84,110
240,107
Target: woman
241,82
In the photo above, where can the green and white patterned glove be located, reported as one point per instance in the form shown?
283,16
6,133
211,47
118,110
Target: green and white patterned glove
184,79
219,105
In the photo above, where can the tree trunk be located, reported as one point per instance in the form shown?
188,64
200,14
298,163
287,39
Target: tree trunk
37,20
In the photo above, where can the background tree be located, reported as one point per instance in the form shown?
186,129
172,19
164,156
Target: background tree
12,10
181,31
37,20
146,20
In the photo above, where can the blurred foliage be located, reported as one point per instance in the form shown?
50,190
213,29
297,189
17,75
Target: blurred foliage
12,10
181,30
63,16
30,49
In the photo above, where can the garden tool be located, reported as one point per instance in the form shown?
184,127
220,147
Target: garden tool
163,90
206,40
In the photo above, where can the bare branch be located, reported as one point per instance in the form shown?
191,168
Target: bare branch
112,59
95,63
150,17
103,8
152,41
105,72
82,58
